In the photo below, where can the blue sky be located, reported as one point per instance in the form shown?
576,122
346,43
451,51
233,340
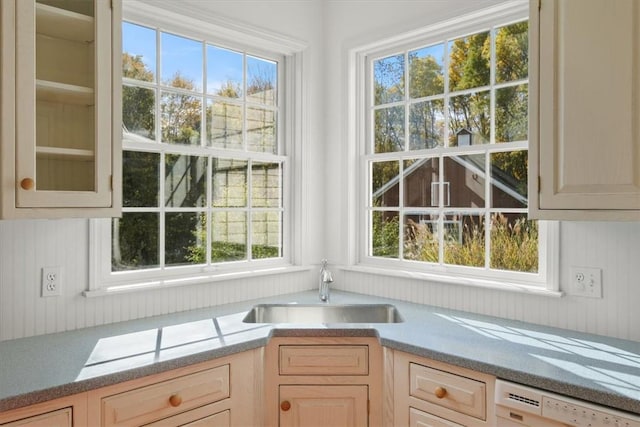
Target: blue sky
183,55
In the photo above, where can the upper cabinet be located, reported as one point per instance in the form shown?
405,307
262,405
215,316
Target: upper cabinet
61,113
584,156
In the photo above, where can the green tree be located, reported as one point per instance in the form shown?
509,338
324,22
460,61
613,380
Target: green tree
180,113
138,103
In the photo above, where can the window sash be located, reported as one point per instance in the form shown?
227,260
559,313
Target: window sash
361,64
287,54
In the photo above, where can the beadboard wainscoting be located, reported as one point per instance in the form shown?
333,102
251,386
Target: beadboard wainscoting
613,247
27,246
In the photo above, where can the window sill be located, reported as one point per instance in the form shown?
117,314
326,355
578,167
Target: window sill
459,280
196,279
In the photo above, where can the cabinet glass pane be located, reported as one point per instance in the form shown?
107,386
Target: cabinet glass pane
84,7
65,97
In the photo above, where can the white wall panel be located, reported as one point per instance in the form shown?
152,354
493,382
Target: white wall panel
614,247
27,246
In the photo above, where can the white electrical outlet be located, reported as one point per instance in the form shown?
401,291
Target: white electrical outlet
585,282
51,286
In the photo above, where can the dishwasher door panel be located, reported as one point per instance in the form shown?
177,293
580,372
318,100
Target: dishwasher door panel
514,418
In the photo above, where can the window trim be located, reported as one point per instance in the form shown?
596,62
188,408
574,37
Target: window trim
292,127
545,282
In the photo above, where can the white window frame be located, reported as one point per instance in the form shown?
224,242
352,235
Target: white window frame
545,281
289,54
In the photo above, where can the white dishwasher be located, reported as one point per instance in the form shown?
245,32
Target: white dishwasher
520,406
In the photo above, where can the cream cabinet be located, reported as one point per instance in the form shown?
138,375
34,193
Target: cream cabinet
436,394
61,114
219,393
584,153
326,381
65,412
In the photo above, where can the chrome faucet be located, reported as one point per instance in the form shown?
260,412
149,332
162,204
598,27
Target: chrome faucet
325,279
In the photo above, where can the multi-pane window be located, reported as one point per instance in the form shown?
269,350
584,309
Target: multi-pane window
202,155
446,152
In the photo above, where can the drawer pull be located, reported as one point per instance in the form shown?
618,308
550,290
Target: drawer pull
27,184
440,392
175,400
285,405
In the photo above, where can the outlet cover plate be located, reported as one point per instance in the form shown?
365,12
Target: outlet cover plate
585,282
51,282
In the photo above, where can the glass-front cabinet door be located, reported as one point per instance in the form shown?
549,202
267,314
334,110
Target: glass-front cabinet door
64,95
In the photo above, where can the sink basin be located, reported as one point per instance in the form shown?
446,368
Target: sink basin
323,313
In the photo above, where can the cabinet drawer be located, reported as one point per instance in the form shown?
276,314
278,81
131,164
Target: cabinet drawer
448,390
157,401
199,417
59,418
422,419
324,360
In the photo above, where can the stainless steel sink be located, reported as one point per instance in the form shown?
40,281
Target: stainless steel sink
323,313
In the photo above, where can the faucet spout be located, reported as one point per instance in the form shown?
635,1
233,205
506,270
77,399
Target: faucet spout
325,280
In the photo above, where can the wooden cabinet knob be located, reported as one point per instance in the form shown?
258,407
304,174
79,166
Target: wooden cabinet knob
175,400
27,184
440,392
285,405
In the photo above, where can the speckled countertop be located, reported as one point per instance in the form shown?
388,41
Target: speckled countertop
589,367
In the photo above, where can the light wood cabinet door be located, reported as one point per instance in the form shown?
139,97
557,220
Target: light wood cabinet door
324,360
429,393
60,418
63,412
162,400
60,108
584,155
459,393
422,419
323,405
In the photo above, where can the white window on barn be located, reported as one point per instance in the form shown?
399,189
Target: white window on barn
445,155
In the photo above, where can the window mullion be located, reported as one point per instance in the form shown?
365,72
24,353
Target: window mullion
162,210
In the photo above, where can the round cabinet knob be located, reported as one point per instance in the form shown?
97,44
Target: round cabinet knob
285,405
175,400
440,392
27,184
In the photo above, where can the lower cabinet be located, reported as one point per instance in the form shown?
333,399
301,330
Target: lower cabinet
422,419
65,412
428,393
220,392
323,381
293,381
323,405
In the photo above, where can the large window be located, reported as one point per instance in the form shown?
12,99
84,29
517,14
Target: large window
203,158
445,157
